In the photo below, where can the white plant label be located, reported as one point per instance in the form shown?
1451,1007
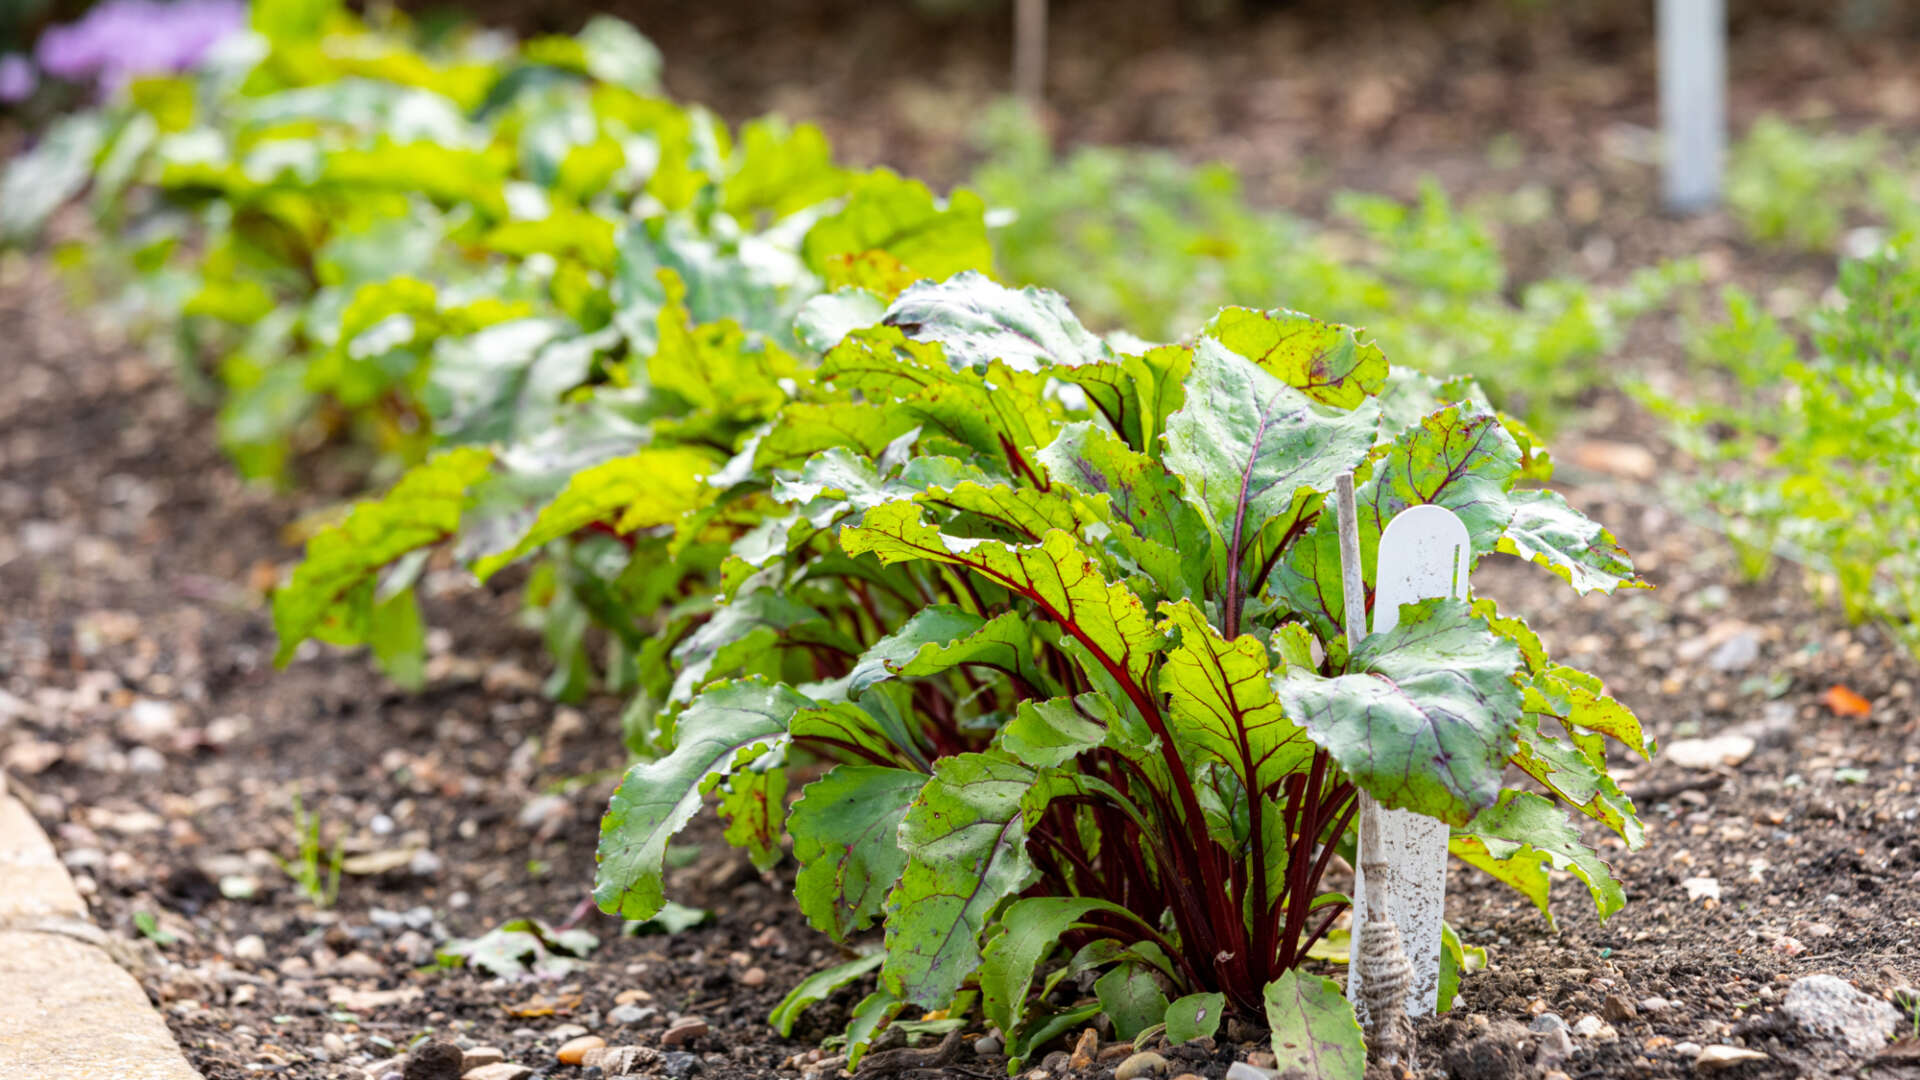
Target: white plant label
1424,553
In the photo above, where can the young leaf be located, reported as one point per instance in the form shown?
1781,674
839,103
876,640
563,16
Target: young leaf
817,987
1314,1028
869,1017
1425,719
1031,929
422,509
1044,734
1196,1016
941,638
844,836
1132,998
1138,393
721,730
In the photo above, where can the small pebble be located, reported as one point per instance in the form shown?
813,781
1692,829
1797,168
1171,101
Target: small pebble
504,1070
1146,1063
477,1056
680,1065
575,1049
434,1060
630,1013
989,1045
685,1031
754,976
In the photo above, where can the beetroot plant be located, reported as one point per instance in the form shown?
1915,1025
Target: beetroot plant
1052,638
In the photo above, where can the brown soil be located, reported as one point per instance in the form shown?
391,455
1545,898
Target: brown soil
131,562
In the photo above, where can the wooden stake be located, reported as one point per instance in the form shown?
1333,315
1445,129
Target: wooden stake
1693,101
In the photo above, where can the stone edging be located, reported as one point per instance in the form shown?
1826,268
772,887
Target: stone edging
66,1009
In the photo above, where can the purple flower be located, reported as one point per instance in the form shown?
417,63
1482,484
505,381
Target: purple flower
120,40
17,78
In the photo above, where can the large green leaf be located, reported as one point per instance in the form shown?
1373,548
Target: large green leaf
722,730
1314,1028
978,320
941,638
1030,930
902,218
37,182
1576,775
1425,719
844,836
965,838
422,509
1545,530
652,487
1325,361
1253,450
1221,702
1055,574
999,413
1048,733
1513,838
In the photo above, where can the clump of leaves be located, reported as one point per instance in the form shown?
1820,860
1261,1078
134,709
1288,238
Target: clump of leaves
1067,621
520,947
1811,445
1795,188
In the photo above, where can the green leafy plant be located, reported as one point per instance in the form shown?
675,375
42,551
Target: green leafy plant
1813,453
315,870
1065,621
1142,240
1794,188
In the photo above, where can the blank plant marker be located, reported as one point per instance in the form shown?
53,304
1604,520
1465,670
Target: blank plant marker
1423,554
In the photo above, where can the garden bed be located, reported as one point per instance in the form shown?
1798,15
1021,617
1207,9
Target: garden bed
148,731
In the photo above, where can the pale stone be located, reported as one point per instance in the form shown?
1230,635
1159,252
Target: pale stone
70,1012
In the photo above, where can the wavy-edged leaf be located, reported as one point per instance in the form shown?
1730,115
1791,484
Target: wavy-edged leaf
1545,530
653,487
1137,393
1325,361
965,838
1251,448
422,509
978,320
1426,717
1314,1027
902,218
720,731
1572,773
1047,733
1513,838
1221,702
943,637
998,413
828,318
818,987
1143,496
1054,574
845,830
1030,930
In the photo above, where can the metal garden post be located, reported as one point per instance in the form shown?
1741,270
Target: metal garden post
1693,101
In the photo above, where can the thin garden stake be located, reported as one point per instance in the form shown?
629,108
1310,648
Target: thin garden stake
1378,955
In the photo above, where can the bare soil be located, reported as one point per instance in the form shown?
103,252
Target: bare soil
143,718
